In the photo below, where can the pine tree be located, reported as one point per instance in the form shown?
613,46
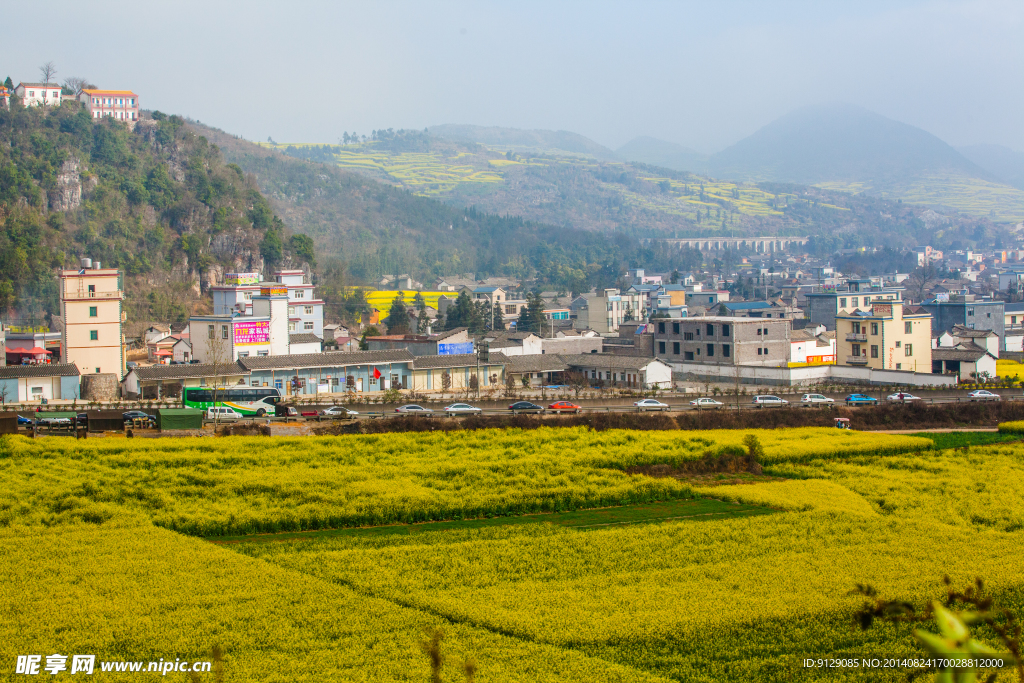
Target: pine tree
498,323
398,320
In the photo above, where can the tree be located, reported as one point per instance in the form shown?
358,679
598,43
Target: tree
922,280
398,320
510,384
446,381
75,85
497,321
9,84
675,278
271,249
576,381
303,247
531,317
371,331
48,71
460,314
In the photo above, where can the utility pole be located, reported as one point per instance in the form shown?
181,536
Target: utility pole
478,350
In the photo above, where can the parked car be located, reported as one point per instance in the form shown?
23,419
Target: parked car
982,395
281,410
650,404
412,408
309,413
771,401
131,365
706,403
338,411
564,407
24,420
461,409
902,397
816,399
525,407
860,400
222,413
82,420
131,415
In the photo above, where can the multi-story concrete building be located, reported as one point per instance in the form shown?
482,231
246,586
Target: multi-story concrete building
35,94
305,311
823,307
122,105
90,306
604,311
226,338
969,311
723,340
235,294
890,336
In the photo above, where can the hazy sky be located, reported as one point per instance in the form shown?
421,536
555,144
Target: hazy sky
702,74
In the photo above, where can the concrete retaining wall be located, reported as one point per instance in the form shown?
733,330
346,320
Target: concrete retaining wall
808,376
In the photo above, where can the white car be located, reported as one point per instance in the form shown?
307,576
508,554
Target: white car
982,395
461,409
339,411
222,413
706,403
902,397
816,399
650,404
770,401
413,409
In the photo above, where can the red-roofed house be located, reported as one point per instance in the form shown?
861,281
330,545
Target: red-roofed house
122,105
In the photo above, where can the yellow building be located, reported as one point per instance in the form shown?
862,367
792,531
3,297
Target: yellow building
90,306
891,336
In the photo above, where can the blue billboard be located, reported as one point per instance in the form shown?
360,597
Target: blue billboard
452,349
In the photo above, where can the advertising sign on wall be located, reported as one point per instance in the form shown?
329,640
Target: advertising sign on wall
274,290
452,349
252,332
881,309
241,278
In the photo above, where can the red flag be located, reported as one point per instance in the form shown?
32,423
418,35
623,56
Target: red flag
376,373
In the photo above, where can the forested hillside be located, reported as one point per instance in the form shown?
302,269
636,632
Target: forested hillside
158,202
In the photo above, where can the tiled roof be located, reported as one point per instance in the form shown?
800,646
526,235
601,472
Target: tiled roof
304,339
457,360
188,371
546,362
47,370
451,333
961,331
607,360
330,359
969,355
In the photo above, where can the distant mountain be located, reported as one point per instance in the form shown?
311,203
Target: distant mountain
656,152
1002,162
515,138
844,147
839,142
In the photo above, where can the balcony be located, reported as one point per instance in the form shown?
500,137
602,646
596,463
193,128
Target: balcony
93,295
857,337
856,360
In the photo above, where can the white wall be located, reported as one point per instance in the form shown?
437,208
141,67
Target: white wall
749,374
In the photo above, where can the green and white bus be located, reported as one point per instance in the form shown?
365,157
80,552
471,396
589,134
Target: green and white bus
257,401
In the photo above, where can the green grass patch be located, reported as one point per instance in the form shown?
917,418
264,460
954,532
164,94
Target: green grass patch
964,439
596,518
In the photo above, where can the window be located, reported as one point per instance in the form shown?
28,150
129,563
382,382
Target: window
309,310
856,349
37,390
970,311
725,331
94,335
853,302
842,302
711,330
291,327
661,328
688,336
908,327
988,315
210,331
308,325
874,328
688,355
874,351
759,332
300,294
899,366
243,354
263,353
675,328
760,351
223,331
711,350
725,350
897,345
1013,320
92,290
675,348
661,347
867,300
291,310
908,349
766,331
93,311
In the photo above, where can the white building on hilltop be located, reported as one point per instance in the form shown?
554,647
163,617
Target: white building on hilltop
35,94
